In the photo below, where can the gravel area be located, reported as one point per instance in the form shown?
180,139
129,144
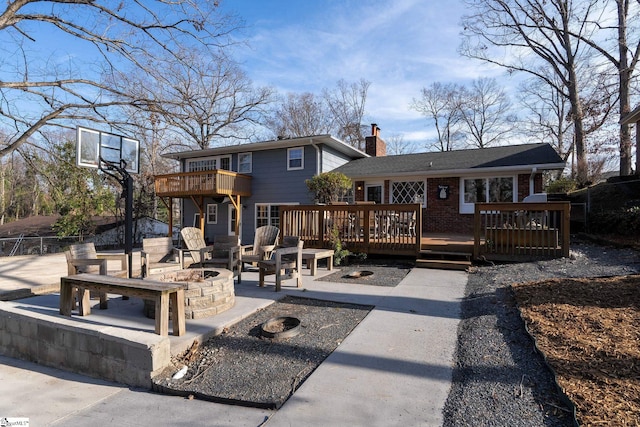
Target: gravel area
385,272
499,379
243,367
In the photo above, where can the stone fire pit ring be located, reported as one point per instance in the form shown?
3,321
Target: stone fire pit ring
208,291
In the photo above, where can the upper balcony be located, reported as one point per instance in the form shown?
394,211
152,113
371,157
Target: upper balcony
212,183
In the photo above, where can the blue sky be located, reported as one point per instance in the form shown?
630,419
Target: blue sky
400,46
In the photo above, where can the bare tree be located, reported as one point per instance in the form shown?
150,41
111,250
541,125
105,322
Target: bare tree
485,109
620,46
347,105
441,104
397,145
205,98
39,91
515,34
547,113
297,115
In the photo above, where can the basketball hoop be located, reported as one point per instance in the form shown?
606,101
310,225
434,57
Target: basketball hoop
118,157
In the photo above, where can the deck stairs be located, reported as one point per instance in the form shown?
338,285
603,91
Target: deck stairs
445,254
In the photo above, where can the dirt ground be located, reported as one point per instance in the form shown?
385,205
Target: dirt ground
589,333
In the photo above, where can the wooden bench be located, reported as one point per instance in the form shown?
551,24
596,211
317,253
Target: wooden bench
311,257
162,293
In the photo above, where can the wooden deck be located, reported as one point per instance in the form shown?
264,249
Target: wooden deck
447,242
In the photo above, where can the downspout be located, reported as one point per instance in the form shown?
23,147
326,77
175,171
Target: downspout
318,165
531,181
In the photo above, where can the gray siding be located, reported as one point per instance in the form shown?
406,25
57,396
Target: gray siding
271,183
332,159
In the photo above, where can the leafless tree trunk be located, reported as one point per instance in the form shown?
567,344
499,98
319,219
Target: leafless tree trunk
510,33
628,48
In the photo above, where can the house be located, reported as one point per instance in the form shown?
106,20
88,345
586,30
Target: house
260,177
447,184
256,178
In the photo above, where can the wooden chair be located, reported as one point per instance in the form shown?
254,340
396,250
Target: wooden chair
83,258
158,256
287,257
194,240
264,242
224,253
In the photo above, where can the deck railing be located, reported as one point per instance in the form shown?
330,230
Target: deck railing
204,183
372,229
521,231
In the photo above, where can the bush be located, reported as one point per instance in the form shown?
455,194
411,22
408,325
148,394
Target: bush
624,222
329,186
562,186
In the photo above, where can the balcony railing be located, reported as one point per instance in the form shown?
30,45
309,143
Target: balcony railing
206,183
372,229
521,231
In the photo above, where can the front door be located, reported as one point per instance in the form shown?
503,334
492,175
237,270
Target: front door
374,193
232,221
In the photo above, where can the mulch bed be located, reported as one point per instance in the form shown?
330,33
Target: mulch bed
243,367
589,333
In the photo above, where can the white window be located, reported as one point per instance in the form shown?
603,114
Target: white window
295,158
244,163
484,190
269,214
408,192
209,163
212,214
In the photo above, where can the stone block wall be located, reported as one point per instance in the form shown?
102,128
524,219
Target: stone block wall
127,357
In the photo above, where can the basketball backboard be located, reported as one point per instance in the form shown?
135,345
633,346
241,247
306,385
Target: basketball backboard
92,146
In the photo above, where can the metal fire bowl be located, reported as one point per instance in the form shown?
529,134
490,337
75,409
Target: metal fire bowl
281,327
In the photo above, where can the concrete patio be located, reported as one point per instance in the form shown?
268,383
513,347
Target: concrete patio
393,369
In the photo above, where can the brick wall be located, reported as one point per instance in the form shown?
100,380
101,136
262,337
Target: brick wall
443,215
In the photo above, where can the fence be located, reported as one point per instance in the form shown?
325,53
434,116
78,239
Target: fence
372,229
35,245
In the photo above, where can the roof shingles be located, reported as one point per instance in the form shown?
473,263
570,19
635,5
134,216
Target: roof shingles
510,156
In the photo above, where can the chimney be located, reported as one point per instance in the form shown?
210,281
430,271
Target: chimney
374,145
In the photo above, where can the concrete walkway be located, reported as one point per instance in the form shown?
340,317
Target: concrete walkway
394,369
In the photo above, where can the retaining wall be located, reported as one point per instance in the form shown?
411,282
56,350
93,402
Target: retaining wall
105,352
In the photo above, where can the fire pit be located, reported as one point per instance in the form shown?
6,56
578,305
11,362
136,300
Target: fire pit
281,327
207,292
359,274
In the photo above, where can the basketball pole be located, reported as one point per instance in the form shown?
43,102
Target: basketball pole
126,181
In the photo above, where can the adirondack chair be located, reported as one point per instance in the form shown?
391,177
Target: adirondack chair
83,258
158,255
285,262
225,253
264,242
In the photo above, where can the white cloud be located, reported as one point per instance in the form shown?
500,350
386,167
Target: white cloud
399,46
